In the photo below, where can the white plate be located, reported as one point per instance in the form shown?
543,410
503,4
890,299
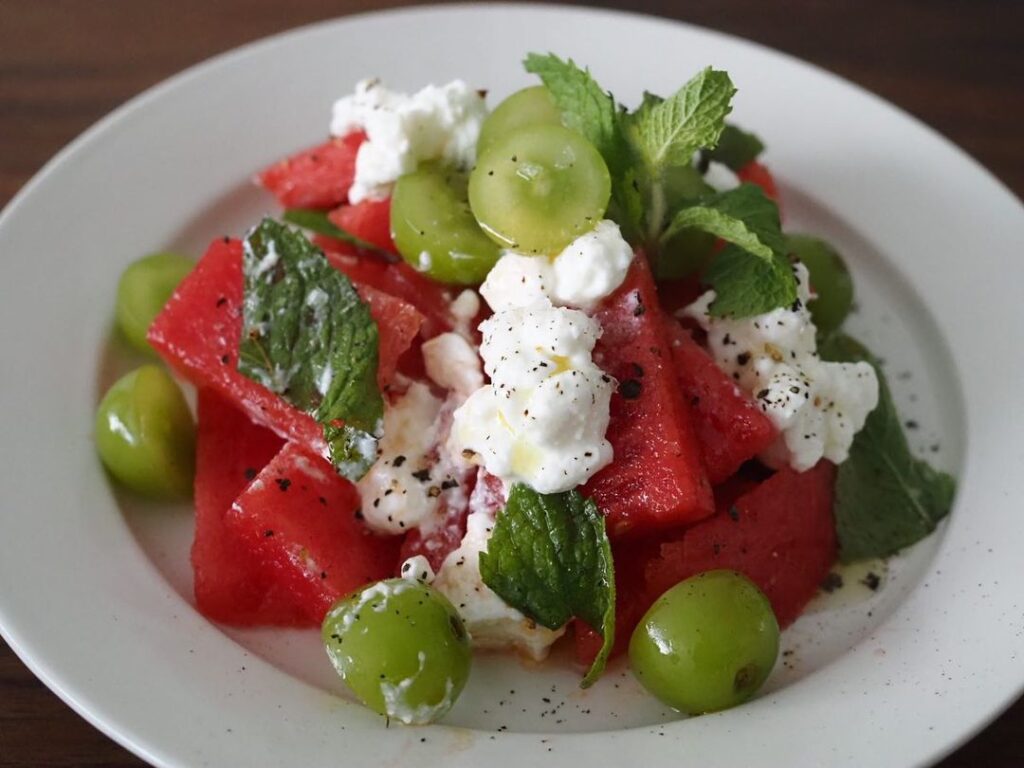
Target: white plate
96,593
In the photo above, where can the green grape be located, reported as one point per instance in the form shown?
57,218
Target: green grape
145,434
401,647
530,106
538,188
830,279
707,644
144,288
434,229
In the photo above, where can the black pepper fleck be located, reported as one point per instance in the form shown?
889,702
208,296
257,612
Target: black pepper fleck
630,389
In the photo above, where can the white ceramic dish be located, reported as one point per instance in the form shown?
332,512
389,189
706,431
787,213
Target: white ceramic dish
96,591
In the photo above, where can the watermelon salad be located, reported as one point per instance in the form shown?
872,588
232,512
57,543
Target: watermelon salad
500,379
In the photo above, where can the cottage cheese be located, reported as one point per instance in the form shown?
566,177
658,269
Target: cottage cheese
587,270
491,623
435,123
453,364
406,485
542,419
817,406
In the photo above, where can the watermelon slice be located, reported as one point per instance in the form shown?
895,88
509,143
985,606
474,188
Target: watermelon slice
656,480
230,451
731,429
197,333
779,533
301,523
432,299
369,220
319,177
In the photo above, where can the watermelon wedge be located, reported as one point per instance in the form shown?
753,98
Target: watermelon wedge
656,480
318,177
779,533
301,524
230,451
197,333
730,428
369,220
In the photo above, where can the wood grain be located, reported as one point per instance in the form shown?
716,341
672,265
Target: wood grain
956,64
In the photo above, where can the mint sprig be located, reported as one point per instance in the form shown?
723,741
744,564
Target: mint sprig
753,275
309,337
650,153
669,131
549,557
886,499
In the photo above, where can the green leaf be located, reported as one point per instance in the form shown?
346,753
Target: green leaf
746,285
743,216
549,558
307,336
585,106
736,148
886,499
317,221
753,275
592,111
669,132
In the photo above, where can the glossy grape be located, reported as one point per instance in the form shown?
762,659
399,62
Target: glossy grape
401,647
707,644
538,188
830,279
434,229
530,106
144,288
145,434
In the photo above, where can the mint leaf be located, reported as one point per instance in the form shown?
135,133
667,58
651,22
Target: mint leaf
549,558
753,275
317,221
747,285
669,132
592,111
307,336
743,216
736,148
585,106
885,498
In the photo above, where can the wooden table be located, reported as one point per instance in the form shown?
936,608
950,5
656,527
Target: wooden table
956,64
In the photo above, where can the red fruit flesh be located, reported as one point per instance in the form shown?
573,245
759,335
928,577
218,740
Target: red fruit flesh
230,451
301,523
730,428
656,480
318,177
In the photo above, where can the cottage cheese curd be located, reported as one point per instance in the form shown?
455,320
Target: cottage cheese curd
542,419
407,483
817,406
587,270
435,123
491,622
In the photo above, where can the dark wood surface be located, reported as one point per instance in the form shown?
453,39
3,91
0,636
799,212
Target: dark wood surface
958,65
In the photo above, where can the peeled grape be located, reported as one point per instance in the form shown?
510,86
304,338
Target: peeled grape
145,434
530,106
538,188
434,229
707,644
144,288
401,647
